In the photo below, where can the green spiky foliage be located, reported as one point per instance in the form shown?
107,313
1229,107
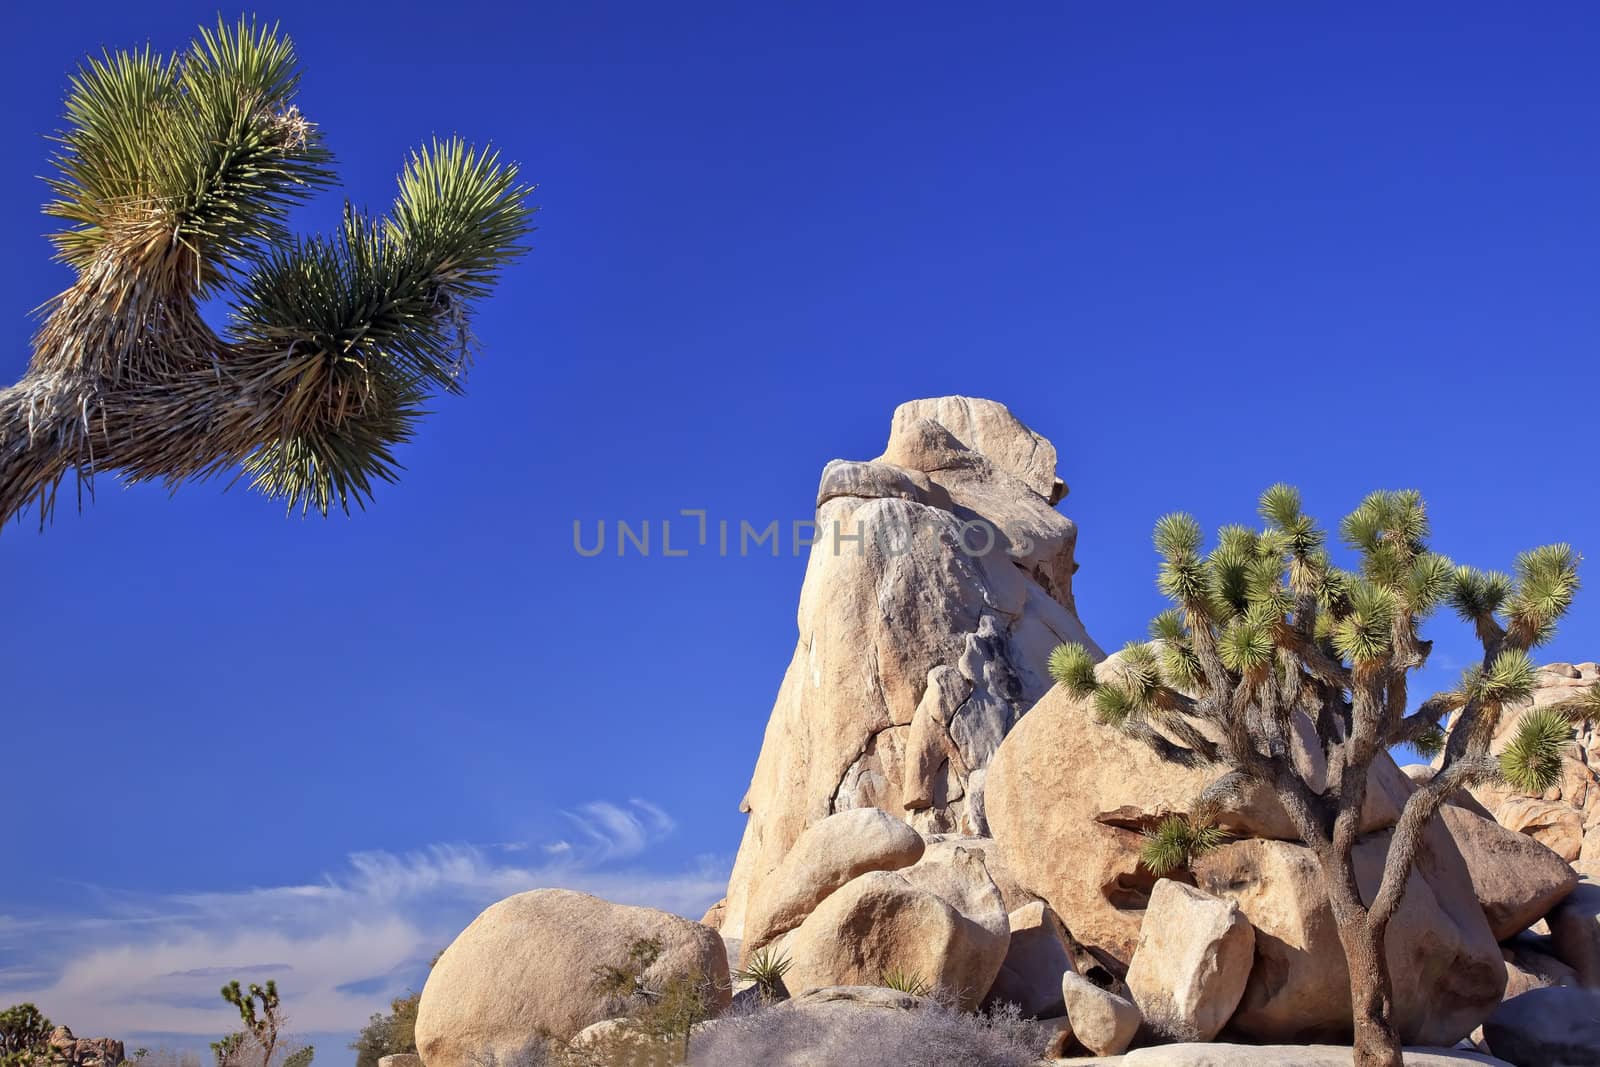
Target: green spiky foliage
765,971
1269,641
24,1036
175,178
902,980
261,1013
1174,843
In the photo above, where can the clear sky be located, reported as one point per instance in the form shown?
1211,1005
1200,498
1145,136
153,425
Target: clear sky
1201,247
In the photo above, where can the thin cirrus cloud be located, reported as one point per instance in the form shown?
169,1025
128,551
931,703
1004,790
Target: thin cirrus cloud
340,947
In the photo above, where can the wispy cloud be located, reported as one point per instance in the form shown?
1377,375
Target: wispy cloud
339,946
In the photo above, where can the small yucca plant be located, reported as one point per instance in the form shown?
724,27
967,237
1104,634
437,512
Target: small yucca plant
1174,843
903,980
175,176
766,970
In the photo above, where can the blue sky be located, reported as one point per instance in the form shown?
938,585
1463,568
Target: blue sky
1202,248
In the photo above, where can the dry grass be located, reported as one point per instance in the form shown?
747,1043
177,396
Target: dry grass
845,1036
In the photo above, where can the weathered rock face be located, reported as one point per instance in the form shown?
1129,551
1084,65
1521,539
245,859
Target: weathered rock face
1552,1027
826,856
1448,970
881,922
1193,959
69,1051
1564,816
940,581
1515,878
1575,932
1070,798
524,967
1036,958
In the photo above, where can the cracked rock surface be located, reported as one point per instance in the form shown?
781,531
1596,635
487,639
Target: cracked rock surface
940,580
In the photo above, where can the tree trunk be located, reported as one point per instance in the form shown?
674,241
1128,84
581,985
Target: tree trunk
1377,1041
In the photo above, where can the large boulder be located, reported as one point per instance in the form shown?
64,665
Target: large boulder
826,856
1070,800
881,923
1193,959
523,971
1553,823
940,579
1448,970
1557,1026
1036,958
1516,879
1575,932
941,846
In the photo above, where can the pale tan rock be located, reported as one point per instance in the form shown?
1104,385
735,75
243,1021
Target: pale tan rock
1552,823
524,968
713,915
1193,959
1578,788
1515,878
1103,1022
940,847
903,597
619,1042
989,428
1070,798
400,1059
1575,932
879,923
1299,989
1588,862
959,877
1036,958
826,856
929,748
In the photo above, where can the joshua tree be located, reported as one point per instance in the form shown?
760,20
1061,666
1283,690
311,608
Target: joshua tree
24,1036
176,176
1266,628
262,1015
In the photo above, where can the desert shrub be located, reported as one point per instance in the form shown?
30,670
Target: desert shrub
844,1036
388,1035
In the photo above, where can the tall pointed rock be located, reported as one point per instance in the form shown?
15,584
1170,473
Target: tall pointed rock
940,579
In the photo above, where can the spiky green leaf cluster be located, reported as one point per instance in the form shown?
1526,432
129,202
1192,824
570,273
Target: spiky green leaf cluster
1532,760
765,971
208,144
1547,580
1366,633
1175,842
1072,667
1430,742
905,980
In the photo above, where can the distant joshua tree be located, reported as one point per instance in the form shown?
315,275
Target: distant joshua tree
1267,627
176,175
